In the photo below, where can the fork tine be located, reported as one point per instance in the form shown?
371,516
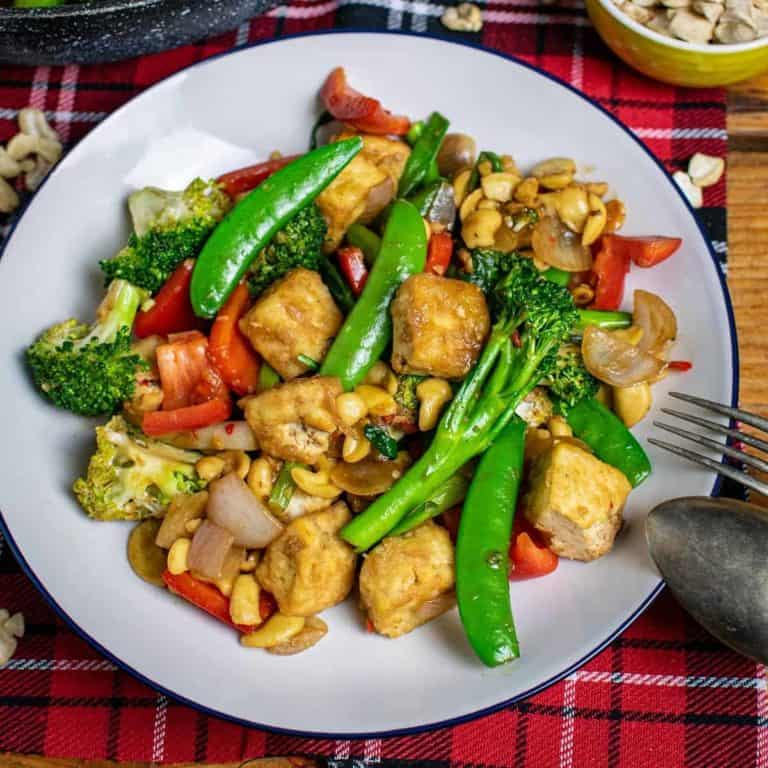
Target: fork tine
722,469
726,410
745,438
734,453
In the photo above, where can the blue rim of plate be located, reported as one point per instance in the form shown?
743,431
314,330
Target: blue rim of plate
451,722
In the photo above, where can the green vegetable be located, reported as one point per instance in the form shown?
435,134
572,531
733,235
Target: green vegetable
482,548
603,319
336,284
323,119
168,228
611,441
450,494
381,440
423,154
37,3
368,327
405,395
486,156
569,380
131,476
543,314
414,132
298,244
559,276
366,240
91,371
282,491
308,361
254,221
268,377
487,268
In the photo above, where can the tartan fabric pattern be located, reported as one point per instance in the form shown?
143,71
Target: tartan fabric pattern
662,695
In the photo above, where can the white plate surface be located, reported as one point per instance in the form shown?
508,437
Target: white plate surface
232,111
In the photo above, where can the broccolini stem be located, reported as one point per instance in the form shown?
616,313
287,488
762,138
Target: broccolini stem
603,319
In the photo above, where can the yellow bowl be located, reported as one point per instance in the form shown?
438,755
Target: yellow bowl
675,61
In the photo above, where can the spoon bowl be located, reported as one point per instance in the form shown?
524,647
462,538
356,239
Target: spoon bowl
712,554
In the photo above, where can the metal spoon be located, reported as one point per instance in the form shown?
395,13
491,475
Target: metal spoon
713,554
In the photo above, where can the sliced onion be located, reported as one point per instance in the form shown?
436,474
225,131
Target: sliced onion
555,244
379,197
657,320
233,506
226,436
368,477
210,546
615,361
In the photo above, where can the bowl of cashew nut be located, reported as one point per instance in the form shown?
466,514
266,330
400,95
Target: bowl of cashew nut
699,43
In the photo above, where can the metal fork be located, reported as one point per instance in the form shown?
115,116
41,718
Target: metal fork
726,470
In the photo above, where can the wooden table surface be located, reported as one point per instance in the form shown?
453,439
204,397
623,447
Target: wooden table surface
747,278
748,233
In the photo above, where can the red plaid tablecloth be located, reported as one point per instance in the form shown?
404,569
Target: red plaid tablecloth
664,694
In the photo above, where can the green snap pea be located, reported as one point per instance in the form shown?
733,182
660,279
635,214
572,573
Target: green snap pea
611,441
482,548
450,494
251,224
368,327
366,240
423,154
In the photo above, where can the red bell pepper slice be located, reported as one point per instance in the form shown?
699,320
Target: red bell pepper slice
609,269
680,365
155,423
172,310
439,253
361,112
352,264
228,349
206,597
186,374
645,251
529,557
243,180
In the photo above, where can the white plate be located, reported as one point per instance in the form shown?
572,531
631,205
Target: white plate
234,110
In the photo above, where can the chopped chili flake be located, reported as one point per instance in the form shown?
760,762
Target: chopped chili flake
516,342
680,365
229,429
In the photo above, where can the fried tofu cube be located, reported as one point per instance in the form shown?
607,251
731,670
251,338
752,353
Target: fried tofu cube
295,421
439,326
295,316
576,501
408,580
309,568
378,166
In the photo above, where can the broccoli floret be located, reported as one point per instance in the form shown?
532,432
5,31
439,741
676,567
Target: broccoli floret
405,395
569,380
90,371
168,228
298,244
487,268
131,476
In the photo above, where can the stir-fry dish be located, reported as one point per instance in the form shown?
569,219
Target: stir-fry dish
390,362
